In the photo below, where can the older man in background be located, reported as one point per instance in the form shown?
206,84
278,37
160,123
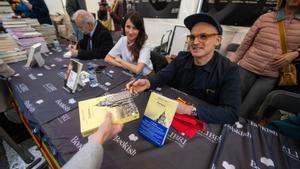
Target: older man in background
97,40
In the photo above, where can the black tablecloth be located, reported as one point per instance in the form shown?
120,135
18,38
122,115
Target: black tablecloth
242,145
45,104
39,90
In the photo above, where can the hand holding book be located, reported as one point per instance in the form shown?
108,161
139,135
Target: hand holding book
106,131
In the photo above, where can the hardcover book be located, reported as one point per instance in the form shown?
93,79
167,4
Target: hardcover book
157,119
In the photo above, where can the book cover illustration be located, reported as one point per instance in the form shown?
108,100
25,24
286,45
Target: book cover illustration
92,112
72,76
157,119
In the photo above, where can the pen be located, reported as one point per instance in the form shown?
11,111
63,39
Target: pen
136,77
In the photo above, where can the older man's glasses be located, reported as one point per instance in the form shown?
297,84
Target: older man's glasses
201,36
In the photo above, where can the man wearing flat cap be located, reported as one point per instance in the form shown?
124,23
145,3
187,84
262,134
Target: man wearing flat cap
202,72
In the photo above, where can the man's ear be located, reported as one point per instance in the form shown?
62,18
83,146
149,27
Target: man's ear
218,40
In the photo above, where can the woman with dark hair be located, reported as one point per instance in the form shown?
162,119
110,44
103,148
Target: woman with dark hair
132,51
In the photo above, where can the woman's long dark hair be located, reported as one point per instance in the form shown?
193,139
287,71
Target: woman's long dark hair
280,4
137,20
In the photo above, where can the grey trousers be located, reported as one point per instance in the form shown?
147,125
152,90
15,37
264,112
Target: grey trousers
279,99
254,89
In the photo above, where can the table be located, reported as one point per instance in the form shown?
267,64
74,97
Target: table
39,89
242,145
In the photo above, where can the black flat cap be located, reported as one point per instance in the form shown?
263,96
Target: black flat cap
192,20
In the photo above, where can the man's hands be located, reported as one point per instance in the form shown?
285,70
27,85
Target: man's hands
184,109
106,131
137,86
73,50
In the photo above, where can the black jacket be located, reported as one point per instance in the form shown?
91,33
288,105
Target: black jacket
102,43
40,11
216,84
74,5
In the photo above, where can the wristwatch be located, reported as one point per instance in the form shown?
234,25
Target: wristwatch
194,111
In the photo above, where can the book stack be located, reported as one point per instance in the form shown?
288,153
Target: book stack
22,30
26,36
5,7
48,32
9,51
14,24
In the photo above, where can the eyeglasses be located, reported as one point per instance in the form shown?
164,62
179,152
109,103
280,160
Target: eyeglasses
201,36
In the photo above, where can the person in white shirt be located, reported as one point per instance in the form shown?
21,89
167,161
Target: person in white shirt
132,52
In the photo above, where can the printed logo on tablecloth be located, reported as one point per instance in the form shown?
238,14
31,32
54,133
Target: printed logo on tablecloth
267,161
26,68
63,105
32,77
29,106
47,67
103,87
238,125
76,142
238,131
212,137
127,73
22,88
226,165
266,130
58,59
40,74
254,165
125,145
72,101
133,137
291,153
40,101
50,87
62,119
177,138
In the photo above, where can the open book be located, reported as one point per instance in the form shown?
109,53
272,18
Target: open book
92,112
157,118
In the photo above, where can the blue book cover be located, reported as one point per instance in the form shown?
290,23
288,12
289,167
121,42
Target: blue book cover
157,118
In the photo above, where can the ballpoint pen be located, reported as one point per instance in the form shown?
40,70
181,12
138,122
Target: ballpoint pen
135,78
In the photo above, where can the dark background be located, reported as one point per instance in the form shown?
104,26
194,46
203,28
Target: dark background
157,8
237,12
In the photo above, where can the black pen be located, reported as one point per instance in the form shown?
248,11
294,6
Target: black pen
136,77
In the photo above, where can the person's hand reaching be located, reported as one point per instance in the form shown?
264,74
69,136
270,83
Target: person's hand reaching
106,130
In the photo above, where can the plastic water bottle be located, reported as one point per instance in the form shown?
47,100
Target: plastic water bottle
92,76
57,45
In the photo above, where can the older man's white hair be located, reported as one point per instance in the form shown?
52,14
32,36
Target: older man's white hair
83,17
